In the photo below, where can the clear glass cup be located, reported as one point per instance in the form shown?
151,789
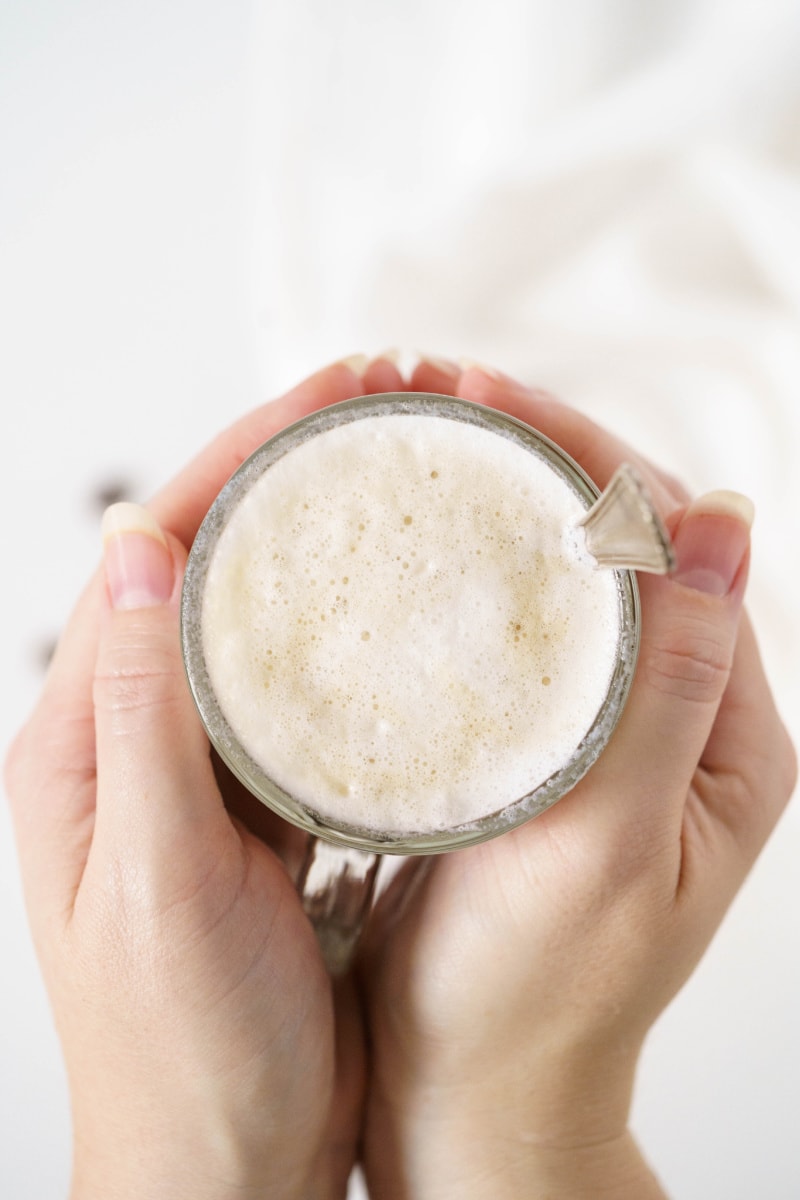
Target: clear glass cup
339,874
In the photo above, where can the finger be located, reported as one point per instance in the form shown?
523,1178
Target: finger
382,375
689,630
437,375
597,451
63,714
593,448
182,504
50,769
156,789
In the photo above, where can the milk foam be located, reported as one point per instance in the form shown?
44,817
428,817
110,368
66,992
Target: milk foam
400,627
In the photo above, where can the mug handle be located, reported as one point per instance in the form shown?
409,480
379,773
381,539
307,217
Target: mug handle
336,885
623,528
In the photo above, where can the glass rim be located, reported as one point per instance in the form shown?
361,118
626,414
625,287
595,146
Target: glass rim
221,735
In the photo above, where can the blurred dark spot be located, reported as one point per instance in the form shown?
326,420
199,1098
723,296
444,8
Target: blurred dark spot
43,652
111,491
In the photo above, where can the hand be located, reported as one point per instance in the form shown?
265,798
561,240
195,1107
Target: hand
206,1053
510,986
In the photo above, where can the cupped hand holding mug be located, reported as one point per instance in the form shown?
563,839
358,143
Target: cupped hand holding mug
508,987
511,986
206,1053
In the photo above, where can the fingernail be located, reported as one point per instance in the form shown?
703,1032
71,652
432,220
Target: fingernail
357,363
444,365
469,364
711,542
391,355
495,376
138,563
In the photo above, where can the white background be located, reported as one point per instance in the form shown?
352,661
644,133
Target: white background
200,202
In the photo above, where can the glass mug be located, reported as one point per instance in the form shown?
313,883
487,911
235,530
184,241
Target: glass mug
337,880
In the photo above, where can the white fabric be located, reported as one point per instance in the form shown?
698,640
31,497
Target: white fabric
602,197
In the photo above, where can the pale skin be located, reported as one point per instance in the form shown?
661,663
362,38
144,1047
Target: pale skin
207,1051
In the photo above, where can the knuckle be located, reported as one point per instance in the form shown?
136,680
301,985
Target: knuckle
53,755
135,673
132,689
694,669
749,793
748,804
787,765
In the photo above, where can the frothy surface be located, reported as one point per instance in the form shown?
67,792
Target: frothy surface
400,628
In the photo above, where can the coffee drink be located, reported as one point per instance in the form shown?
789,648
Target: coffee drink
397,620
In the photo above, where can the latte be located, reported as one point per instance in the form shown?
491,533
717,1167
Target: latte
400,625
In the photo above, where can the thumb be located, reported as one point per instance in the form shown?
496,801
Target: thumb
155,781
689,630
